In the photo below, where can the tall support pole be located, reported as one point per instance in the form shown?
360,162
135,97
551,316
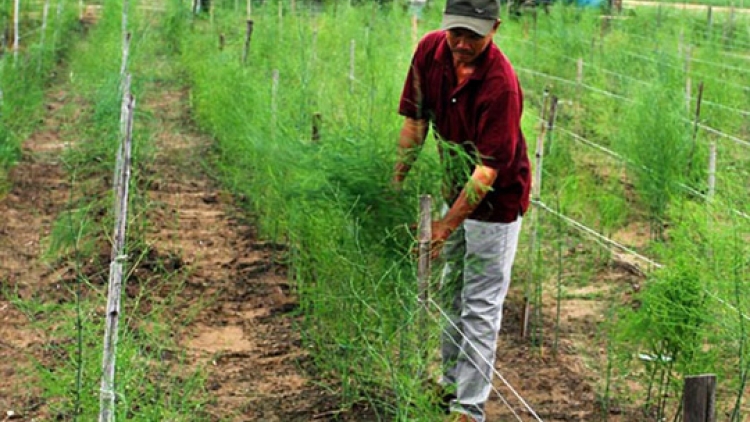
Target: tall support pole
274,99
536,193
711,170
248,37
352,57
16,36
579,89
424,262
45,15
696,126
116,272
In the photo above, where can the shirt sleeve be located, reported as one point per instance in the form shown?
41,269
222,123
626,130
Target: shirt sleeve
499,129
411,104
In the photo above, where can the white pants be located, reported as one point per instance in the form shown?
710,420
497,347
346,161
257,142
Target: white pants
479,257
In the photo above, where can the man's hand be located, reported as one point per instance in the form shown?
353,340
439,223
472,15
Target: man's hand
440,233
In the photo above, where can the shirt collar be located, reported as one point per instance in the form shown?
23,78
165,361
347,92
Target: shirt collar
443,55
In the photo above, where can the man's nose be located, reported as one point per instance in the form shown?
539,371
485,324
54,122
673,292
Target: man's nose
462,43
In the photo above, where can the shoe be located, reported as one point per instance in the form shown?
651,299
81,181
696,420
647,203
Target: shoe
442,396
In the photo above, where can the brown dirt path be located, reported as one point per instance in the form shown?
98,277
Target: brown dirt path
243,332
39,193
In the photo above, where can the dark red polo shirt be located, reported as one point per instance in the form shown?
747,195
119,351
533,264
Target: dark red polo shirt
483,115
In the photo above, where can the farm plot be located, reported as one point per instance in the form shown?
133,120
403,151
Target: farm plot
643,101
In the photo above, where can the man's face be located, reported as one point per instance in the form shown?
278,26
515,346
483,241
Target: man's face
467,45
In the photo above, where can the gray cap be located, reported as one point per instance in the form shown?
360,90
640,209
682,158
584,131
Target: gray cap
476,15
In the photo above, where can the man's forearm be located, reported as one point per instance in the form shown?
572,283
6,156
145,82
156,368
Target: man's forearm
471,195
410,142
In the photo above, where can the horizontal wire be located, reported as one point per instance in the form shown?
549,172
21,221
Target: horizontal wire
474,363
496,372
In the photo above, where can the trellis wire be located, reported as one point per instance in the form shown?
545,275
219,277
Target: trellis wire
623,76
476,365
608,241
494,370
629,100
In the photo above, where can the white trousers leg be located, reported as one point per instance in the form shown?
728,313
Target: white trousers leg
479,258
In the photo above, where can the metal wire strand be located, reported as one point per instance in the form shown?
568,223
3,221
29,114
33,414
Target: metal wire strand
474,363
494,370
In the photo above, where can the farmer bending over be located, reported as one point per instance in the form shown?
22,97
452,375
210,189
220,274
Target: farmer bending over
464,86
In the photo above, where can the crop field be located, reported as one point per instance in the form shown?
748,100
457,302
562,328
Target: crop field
267,270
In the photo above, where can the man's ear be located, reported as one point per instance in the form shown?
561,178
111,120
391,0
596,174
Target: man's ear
497,24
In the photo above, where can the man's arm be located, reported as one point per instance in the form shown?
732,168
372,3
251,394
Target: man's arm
471,195
410,143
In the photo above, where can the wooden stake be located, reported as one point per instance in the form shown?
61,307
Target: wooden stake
536,187
709,20
16,36
249,9
696,122
425,241
116,272
274,95
125,54
221,42
699,399
424,263
712,170
45,12
554,108
352,47
317,121
248,36
579,88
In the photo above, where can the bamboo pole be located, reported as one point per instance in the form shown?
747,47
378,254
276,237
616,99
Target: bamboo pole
536,194
711,170
274,99
696,125
579,88
425,241
249,9
116,278
424,262
16,36
45,13
125,54
352,49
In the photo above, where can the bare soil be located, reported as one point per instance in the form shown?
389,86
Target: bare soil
40,190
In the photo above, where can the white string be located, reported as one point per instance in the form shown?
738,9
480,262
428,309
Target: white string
724,135
494,370
596,234
474,363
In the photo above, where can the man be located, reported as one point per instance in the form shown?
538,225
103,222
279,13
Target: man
466,89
